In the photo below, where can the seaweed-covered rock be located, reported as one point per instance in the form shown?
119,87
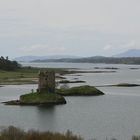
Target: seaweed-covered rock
126,85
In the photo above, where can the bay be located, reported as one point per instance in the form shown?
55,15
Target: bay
116,114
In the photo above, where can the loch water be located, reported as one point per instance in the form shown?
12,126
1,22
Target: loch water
113,115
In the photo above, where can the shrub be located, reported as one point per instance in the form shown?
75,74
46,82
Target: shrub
13,133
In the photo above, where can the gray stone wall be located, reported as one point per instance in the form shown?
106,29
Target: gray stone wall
46,82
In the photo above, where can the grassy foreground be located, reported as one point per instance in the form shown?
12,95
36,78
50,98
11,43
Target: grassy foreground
13,133
80,91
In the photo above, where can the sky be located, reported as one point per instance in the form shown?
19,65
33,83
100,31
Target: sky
68,27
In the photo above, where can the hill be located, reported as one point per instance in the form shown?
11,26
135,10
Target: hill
99,59
129,53
33,58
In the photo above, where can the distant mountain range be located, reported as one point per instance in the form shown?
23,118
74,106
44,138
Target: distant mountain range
39,58
128,57
99,59
129,53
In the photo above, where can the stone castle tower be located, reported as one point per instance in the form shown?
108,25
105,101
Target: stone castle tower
46,82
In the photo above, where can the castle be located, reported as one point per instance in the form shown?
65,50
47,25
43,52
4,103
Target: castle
46,82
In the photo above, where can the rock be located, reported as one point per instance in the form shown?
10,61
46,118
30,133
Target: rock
126,85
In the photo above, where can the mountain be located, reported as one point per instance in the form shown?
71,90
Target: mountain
33,58
129,53
96,59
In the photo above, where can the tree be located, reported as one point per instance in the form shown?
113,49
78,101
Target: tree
6,64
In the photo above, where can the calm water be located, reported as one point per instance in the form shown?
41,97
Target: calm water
115,114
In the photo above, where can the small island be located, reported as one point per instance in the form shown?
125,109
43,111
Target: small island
121,85
45,94
126,85
38,99
85,90
68,81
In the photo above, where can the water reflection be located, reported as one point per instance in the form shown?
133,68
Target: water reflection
46,117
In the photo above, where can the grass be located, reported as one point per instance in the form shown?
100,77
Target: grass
26,72
80,90
136,138
42,98
29,75
13,133
25,75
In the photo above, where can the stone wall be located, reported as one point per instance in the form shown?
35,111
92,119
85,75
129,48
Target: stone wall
46,82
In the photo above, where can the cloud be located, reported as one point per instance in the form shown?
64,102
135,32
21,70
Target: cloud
130,45
108,47
42,49
105,15
127,45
